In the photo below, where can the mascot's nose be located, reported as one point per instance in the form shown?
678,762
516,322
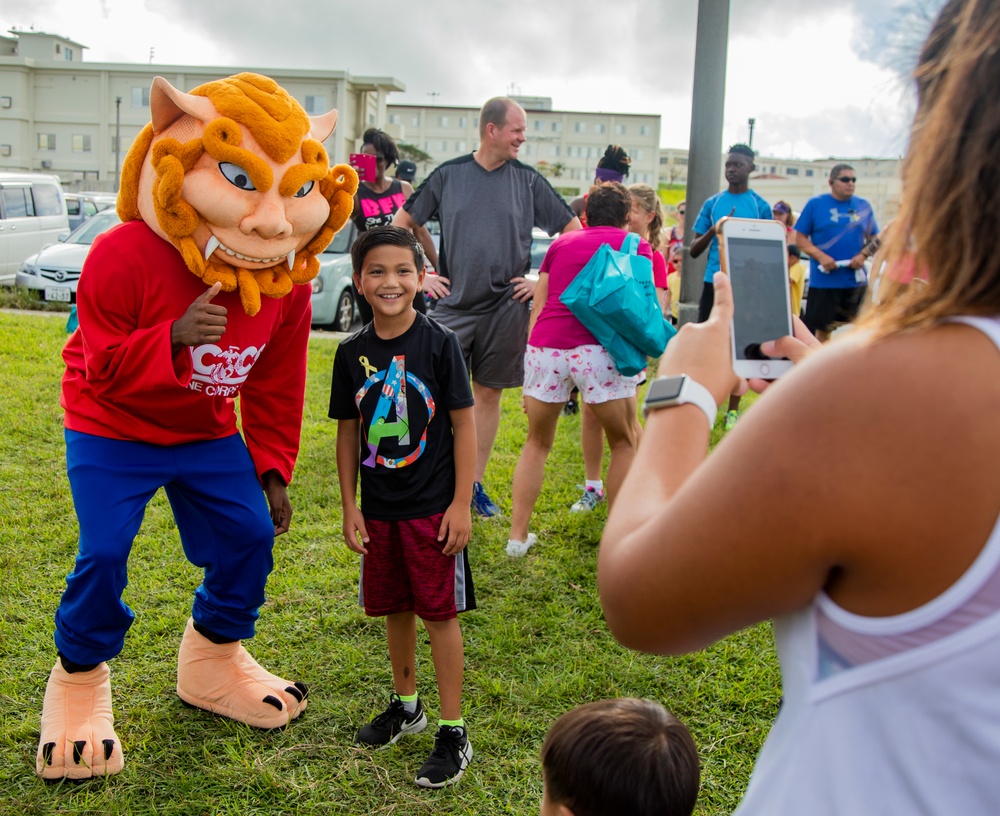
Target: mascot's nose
268,219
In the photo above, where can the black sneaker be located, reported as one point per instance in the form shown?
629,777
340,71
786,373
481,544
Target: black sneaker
451,756
571,407
391,724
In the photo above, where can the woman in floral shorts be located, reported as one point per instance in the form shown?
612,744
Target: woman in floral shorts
561,354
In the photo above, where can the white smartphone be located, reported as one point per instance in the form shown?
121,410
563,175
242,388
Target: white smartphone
754,255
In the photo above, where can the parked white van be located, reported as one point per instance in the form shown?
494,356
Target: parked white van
32,215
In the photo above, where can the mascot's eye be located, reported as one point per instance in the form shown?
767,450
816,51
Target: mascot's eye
304,189
236,176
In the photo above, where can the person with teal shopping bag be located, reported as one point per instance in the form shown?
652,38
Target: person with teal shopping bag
563,352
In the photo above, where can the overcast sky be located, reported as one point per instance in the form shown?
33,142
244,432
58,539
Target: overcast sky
821,79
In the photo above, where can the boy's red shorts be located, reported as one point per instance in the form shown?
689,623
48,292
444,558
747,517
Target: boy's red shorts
405,571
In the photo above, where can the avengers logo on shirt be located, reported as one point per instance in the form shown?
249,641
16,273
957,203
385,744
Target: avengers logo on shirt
220,372
392,420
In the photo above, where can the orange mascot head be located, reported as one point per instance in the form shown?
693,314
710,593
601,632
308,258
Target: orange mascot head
234,175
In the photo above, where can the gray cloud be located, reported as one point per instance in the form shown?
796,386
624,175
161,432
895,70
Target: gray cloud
611,55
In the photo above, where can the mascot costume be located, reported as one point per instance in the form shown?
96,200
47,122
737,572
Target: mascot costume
202,294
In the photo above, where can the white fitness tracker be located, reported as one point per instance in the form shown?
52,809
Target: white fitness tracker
668,392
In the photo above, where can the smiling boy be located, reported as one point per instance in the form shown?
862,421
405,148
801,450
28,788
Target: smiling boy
402,380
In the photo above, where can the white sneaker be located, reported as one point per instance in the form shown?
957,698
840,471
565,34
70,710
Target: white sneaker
515,548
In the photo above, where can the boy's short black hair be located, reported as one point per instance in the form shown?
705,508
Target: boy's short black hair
621,756
608,205
743,150
382,236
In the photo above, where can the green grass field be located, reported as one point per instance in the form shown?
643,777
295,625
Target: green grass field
536,646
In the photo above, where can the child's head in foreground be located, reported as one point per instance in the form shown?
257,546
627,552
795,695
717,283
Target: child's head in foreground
385,236
619,756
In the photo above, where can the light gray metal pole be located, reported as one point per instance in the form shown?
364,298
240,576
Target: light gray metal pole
705,148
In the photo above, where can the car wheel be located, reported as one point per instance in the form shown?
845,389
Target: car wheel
345,312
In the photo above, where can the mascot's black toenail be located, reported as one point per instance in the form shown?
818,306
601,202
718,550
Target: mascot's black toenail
296,693
303,688
47,750
78,747
272,700
109,748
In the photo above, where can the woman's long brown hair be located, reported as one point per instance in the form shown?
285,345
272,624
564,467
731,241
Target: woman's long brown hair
950,217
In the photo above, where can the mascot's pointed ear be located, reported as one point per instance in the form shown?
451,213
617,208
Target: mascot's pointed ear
167,105
322,126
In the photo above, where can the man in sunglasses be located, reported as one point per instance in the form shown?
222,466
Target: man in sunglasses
835,230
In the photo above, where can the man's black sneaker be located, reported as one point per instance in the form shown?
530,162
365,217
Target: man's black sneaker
391,724
451,756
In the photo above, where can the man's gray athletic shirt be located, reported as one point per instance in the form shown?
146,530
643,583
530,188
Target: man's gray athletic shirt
486,221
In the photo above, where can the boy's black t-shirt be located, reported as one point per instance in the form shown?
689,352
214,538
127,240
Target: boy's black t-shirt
402,390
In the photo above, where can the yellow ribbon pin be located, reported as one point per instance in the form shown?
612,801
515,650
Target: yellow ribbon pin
369,368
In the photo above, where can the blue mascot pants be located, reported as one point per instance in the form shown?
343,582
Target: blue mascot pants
222,516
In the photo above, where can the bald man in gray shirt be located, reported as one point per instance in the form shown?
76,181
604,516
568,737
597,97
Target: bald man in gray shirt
487,203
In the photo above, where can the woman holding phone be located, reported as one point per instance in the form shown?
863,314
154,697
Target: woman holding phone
870,534
377,199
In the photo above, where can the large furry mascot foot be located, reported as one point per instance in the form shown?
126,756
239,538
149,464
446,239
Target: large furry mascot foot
224,679
78,738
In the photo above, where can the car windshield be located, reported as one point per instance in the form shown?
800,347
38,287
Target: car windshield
539,246
341,243
93,226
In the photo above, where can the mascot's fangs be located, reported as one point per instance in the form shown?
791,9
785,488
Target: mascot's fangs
231,183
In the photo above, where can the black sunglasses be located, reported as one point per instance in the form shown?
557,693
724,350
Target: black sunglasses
847,179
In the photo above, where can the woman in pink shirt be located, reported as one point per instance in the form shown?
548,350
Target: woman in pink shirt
562,354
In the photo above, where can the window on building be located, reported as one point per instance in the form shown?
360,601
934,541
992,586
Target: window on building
620,130
600,127
140,97
557,127
664,160
526,150
443,121
580,127
461,121
460,147
46,141
5,150
6,102
639,154
416,120
809,172
315,104
555,150
791,171
539,124
681,161
68,53
393,118
643,130
81,143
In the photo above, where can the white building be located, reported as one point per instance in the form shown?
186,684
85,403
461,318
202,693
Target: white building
61,115
563,145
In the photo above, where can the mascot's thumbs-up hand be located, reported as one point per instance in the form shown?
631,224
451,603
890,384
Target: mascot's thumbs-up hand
203,322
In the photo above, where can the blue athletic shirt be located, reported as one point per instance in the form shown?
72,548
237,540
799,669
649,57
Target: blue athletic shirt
747,205
839,228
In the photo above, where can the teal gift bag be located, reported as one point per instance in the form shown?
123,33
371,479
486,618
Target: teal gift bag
625,297
611,298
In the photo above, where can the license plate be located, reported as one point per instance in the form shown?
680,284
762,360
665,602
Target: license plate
60,294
